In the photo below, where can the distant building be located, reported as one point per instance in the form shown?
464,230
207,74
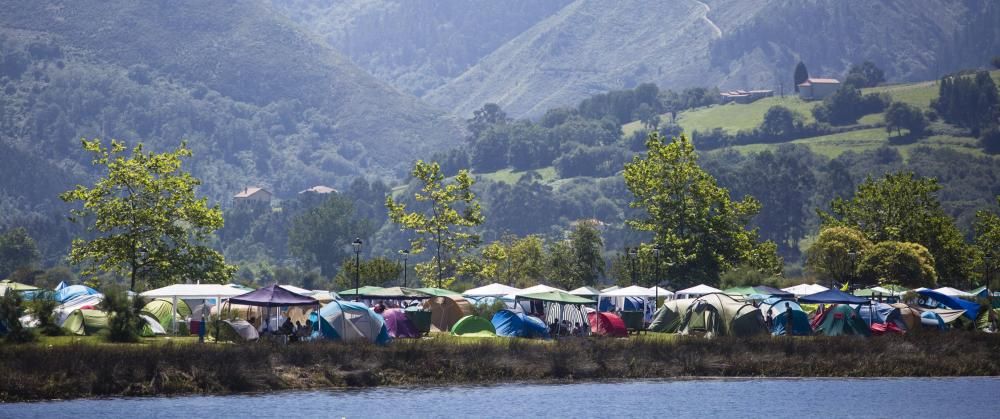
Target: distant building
319,189
252,195
818,89
745,96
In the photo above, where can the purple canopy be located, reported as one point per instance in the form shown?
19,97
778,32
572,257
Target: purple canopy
273,296
398,324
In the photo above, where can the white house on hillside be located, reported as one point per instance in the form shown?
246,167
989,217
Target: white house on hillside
252,195
817,89
319,189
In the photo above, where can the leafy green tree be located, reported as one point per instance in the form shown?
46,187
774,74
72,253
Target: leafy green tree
987,231
43,311
446,223
904,208
588,247
902,115
123,320
145,219
482,118
780,123
829,257
867,74
322,236
801,75
11,310
17,250
968,101
560,265
379,272
898,263
701,230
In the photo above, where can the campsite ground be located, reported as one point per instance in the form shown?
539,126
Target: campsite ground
70,368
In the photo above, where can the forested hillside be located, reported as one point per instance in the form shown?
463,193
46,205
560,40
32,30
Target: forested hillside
417,45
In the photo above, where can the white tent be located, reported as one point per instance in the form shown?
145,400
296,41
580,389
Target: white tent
805,289
585,291
63,310
611,288
536,288
952,292
192,292
696,291
297,290
491,290
632,291
660,292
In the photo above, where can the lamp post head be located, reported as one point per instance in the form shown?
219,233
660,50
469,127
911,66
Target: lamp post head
357,244
405,253
632,251
656,251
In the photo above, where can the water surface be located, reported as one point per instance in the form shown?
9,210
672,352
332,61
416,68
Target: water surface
703,398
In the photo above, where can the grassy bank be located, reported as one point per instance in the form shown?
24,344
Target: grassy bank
33,372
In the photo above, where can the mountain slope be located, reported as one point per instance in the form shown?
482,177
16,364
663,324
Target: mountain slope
417,45
590,46
255,60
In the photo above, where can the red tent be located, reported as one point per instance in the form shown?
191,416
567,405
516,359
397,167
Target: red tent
606,324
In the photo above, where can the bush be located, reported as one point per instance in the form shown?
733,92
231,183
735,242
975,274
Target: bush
123,320
43,308
10,315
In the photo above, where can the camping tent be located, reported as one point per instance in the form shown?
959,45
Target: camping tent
557,306
932,319
805,289
606,324
151,327
785,313
350,321
273,296
833,296
7,284
473,326
696,291
234,331
63,310
719,314
67,293
360,292
934,299
446,310
398,325
162,310
491,290
952,292
586,292
437,292
509,323
842,319
86,322
670,315
397,293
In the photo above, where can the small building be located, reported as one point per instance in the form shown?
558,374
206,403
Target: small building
251,195
319,190
818,89
744,96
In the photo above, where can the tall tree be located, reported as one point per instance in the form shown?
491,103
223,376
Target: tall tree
446,223
801,75
902,115
322,236
898,263
987,229
145,219
700,229
830,256
904,208
17,250
867,74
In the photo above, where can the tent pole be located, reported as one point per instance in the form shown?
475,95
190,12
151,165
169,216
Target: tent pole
173,317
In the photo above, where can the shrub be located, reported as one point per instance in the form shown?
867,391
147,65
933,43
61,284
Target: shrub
10,315
43,308
123,320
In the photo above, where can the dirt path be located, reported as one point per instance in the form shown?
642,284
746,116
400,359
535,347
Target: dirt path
718,32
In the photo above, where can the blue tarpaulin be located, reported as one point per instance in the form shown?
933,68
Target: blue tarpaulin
65,294
509,323
934,299
832,296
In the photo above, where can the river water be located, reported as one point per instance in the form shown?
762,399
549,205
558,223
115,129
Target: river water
702,398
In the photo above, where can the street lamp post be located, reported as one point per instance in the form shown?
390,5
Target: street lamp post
406,254
853,255
357,266
632,253
656,277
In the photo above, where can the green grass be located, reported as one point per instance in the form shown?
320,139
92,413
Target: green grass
548,174
869,139
98,340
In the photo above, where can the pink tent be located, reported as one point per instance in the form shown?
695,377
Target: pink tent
399,326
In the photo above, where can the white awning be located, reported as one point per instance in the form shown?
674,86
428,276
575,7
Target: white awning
698,290
585,291
805,289
633,291
194,291
297,290
491,290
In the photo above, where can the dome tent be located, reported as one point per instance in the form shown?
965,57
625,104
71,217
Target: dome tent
86,322
842,319
719,314
509,323
784,312
473,326
446,310
606,324
398,325
161,309
349,321
669,317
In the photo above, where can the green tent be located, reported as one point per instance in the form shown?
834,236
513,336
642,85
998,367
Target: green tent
7,284
161,309
841,320
437,292
669,317
359,292
473,326
719,314
86,322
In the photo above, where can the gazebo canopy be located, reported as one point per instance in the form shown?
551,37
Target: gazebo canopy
833,296
586,291
437,292
194,291
297,290
556,296
398,293
491,290
273,296
359,292
805,289
698,290
632,291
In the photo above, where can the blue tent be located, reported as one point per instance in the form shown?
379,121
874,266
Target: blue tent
780,311
932,319
934,299
65,294
348,321
882,313
833,296
629,303
509,323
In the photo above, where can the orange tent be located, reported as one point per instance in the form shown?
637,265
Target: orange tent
446,310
